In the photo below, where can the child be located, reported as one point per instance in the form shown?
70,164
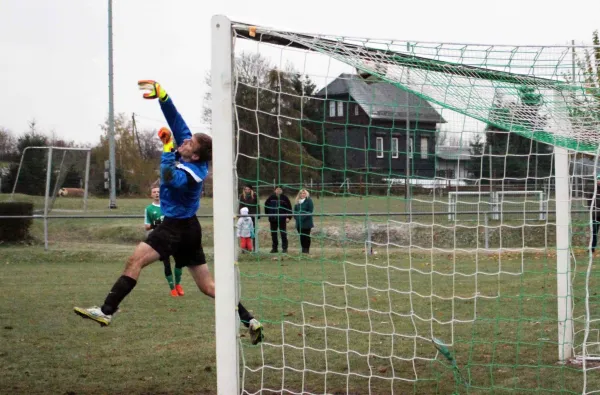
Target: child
245,230
154,218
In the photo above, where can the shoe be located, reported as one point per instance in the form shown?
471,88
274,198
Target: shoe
274,251
179,289
284,251
94,313
174,293
256,331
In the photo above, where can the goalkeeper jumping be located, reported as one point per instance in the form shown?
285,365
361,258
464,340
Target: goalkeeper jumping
179,234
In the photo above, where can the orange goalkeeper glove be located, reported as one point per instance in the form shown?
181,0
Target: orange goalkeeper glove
153,88
166,137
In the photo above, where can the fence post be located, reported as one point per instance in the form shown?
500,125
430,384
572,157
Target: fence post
369,236
486,230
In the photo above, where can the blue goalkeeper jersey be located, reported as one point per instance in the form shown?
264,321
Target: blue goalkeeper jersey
181,183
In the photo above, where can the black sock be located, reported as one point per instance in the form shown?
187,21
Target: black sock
245,315
122,287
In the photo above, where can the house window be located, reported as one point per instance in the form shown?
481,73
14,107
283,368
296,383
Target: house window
424,147
394,147
410,147
331,109
379,147
340,109
356,109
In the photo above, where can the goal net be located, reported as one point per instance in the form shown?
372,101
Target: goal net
52,178
449,253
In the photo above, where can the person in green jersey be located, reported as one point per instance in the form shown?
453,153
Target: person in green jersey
154,217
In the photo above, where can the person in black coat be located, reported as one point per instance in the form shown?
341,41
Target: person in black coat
594,203
249,199
279,210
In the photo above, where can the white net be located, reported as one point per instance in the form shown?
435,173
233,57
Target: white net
433,258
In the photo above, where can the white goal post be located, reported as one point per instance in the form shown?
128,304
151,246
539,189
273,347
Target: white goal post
495,202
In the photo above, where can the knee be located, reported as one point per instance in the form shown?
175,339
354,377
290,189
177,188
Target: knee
208,288
134,262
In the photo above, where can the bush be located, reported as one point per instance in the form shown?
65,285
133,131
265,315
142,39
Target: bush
15,229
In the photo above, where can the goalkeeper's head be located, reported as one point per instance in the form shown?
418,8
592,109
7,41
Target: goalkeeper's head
196,149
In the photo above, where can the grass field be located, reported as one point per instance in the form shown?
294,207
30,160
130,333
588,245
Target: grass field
159,344
337,321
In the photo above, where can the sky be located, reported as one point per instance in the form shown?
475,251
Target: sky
54,54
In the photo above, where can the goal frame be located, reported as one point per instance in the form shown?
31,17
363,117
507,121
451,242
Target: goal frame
224,211
47,193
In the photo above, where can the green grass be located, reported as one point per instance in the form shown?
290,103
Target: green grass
337,321
161,345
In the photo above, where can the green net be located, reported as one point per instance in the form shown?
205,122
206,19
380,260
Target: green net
421,257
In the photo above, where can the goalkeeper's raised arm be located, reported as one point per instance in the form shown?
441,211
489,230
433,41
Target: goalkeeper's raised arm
180,129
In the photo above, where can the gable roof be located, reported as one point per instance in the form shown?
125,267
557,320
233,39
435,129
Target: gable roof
381,100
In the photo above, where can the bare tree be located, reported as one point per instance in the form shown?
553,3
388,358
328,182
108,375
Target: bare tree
8,144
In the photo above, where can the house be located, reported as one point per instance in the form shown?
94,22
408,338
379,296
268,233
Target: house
452,162
365,129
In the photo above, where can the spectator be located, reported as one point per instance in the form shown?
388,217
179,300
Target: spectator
245,230
594,203
304,223
279,210
249,199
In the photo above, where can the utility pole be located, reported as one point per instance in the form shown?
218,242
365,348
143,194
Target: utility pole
111,115
137,136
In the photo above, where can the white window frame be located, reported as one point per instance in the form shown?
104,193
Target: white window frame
424,144
394,148
379,143
410,147
340,109
331,109
356,109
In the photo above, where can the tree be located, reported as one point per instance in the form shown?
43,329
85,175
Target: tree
134,172
513,155
8,146
32,177
274,114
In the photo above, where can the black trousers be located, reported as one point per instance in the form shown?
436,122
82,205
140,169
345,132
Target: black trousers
595,226
305,239
280,226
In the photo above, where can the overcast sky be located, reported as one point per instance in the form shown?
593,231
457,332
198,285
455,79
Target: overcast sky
53,54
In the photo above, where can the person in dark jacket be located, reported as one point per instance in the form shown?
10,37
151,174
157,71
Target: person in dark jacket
279,210
249,199
303,210
594,203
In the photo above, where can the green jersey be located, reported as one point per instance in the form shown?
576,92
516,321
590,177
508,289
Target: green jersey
154,215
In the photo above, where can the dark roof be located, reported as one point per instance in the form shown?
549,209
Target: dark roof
381,100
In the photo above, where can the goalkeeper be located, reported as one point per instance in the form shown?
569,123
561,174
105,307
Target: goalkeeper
152,218
180,234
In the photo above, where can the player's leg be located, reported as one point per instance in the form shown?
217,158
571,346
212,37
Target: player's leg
178,273
169,276
206,284
142,256
195,259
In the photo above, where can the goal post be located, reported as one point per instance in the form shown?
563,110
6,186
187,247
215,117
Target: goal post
224,212
415,301
42,173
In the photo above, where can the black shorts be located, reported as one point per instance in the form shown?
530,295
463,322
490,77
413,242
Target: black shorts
180,238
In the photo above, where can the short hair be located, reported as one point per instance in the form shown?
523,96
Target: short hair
155,184
204,153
